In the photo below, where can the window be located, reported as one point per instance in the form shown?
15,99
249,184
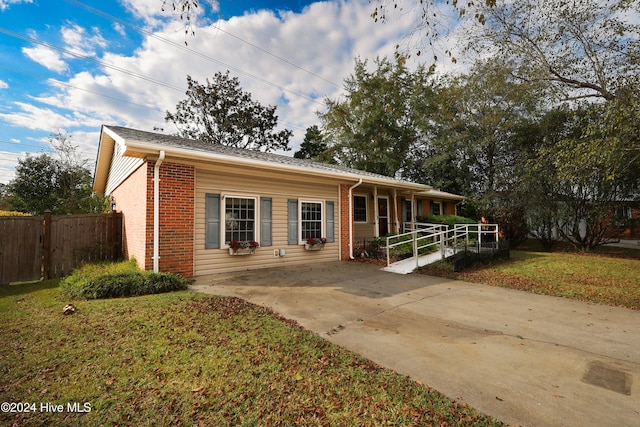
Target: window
360,208
436,208
311,220
239,219
623,212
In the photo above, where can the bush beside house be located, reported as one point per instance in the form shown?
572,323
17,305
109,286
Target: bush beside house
123,279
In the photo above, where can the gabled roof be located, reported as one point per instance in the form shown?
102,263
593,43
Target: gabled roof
142,144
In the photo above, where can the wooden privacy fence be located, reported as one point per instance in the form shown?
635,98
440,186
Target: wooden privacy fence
50,246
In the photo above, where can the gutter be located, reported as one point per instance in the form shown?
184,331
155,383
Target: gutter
351,217
193,154
156,211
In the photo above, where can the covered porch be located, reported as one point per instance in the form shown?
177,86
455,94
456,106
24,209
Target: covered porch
375,211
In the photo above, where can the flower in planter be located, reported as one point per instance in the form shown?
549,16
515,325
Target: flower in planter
251,244
316,241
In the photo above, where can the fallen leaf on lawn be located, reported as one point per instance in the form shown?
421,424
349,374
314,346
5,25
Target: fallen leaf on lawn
198,389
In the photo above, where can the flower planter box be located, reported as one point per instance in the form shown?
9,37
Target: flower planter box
241,251
316,247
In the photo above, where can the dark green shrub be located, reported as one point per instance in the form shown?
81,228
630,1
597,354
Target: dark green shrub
123,279
449,220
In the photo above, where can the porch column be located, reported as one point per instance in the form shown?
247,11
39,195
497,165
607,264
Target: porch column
413,209
395,210
375,210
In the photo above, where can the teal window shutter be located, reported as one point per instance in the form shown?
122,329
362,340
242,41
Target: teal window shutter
265,221
212,221
292,221
330,223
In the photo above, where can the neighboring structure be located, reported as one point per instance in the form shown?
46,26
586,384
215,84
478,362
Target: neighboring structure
626,218
185,202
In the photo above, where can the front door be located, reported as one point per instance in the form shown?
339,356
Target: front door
383,216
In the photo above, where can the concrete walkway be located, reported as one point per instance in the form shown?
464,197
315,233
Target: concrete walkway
523,358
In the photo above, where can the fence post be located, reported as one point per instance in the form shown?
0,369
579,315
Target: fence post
46,247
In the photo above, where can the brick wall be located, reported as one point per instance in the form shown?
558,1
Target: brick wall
345,219
177,198
127,197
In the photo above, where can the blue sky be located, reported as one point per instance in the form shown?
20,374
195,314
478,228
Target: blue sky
65,65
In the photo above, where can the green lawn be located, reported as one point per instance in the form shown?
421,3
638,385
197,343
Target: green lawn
188,359
610,276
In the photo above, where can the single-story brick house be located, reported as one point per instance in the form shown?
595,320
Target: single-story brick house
185,202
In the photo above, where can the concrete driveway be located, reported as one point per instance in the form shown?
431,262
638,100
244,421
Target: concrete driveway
525,359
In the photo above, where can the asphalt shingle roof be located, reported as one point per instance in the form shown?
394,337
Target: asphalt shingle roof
196,145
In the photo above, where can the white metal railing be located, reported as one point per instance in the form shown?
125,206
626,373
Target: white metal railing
426,235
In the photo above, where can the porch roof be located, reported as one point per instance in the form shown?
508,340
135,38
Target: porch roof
437,194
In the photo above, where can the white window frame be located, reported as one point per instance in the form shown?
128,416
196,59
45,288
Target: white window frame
301,240
223,217
366,208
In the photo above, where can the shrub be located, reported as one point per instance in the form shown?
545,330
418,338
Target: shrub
122,279
449,220
12,213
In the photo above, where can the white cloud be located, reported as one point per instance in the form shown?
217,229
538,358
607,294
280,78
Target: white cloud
78,40
120,29
33,117
46,57
323,40
4,4
3,84
156,12
8,162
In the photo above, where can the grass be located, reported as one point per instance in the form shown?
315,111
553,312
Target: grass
188,359
608,276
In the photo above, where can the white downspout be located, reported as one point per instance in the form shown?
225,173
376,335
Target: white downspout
156,212
351,217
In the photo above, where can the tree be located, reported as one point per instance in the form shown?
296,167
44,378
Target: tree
540,188
374,128
313,145
219,112
474,149
597,171
5,201
581,49
586,48
59,183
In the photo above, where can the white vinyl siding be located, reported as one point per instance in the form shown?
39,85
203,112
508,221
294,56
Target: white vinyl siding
121,168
